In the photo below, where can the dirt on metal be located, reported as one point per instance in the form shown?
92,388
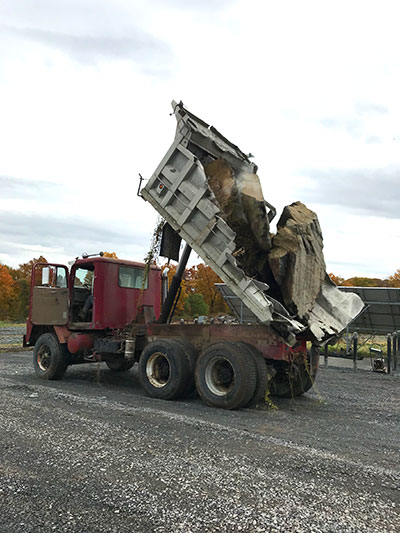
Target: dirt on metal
242,207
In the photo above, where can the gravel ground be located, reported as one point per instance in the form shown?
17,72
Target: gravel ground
92,453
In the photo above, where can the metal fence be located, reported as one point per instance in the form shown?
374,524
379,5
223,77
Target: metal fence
389,364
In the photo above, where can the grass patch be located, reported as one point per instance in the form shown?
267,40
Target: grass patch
364,345
6,324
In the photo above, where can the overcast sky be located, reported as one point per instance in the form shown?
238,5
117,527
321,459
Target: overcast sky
310,88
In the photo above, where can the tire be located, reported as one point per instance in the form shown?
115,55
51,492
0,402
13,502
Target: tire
261,374
119,364
291,379
50,358
225,376
164,369
192,355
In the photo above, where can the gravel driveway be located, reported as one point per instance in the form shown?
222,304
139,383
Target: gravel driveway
92,453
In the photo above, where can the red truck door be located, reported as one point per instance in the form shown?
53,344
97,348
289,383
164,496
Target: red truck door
49,294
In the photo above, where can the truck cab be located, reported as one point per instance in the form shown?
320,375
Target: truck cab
96,294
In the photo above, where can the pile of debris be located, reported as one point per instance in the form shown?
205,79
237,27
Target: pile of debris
291,262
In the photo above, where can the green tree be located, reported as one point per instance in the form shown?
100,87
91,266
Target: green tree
21,309
195,305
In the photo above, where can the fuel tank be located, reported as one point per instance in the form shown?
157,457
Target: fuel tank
78,342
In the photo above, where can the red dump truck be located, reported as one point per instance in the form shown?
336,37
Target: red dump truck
110,310
230,365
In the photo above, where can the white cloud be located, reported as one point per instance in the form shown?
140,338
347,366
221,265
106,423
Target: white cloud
306,86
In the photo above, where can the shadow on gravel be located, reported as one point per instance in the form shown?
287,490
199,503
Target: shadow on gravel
101,375
77,377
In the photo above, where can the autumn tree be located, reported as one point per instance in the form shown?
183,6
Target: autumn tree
8,294
200,280
394,281
88,281
336,279
185,289
21,278
203,280
362,281
24,270
358,281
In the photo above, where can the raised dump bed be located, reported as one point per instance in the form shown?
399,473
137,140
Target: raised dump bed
181,191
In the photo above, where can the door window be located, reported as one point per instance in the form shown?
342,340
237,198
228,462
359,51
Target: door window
51,276
84,277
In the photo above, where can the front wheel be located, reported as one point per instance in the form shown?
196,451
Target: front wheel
50,358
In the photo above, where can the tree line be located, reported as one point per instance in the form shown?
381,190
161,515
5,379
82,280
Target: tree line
198,295
391,281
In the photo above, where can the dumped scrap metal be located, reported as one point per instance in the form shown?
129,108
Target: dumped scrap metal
208,191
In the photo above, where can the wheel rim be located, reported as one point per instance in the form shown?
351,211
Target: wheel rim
158,369
44,357
219,376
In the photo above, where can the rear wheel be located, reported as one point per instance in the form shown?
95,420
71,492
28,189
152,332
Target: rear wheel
292,379
119,364
50,358
164,369
192,355
261,374
225,377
